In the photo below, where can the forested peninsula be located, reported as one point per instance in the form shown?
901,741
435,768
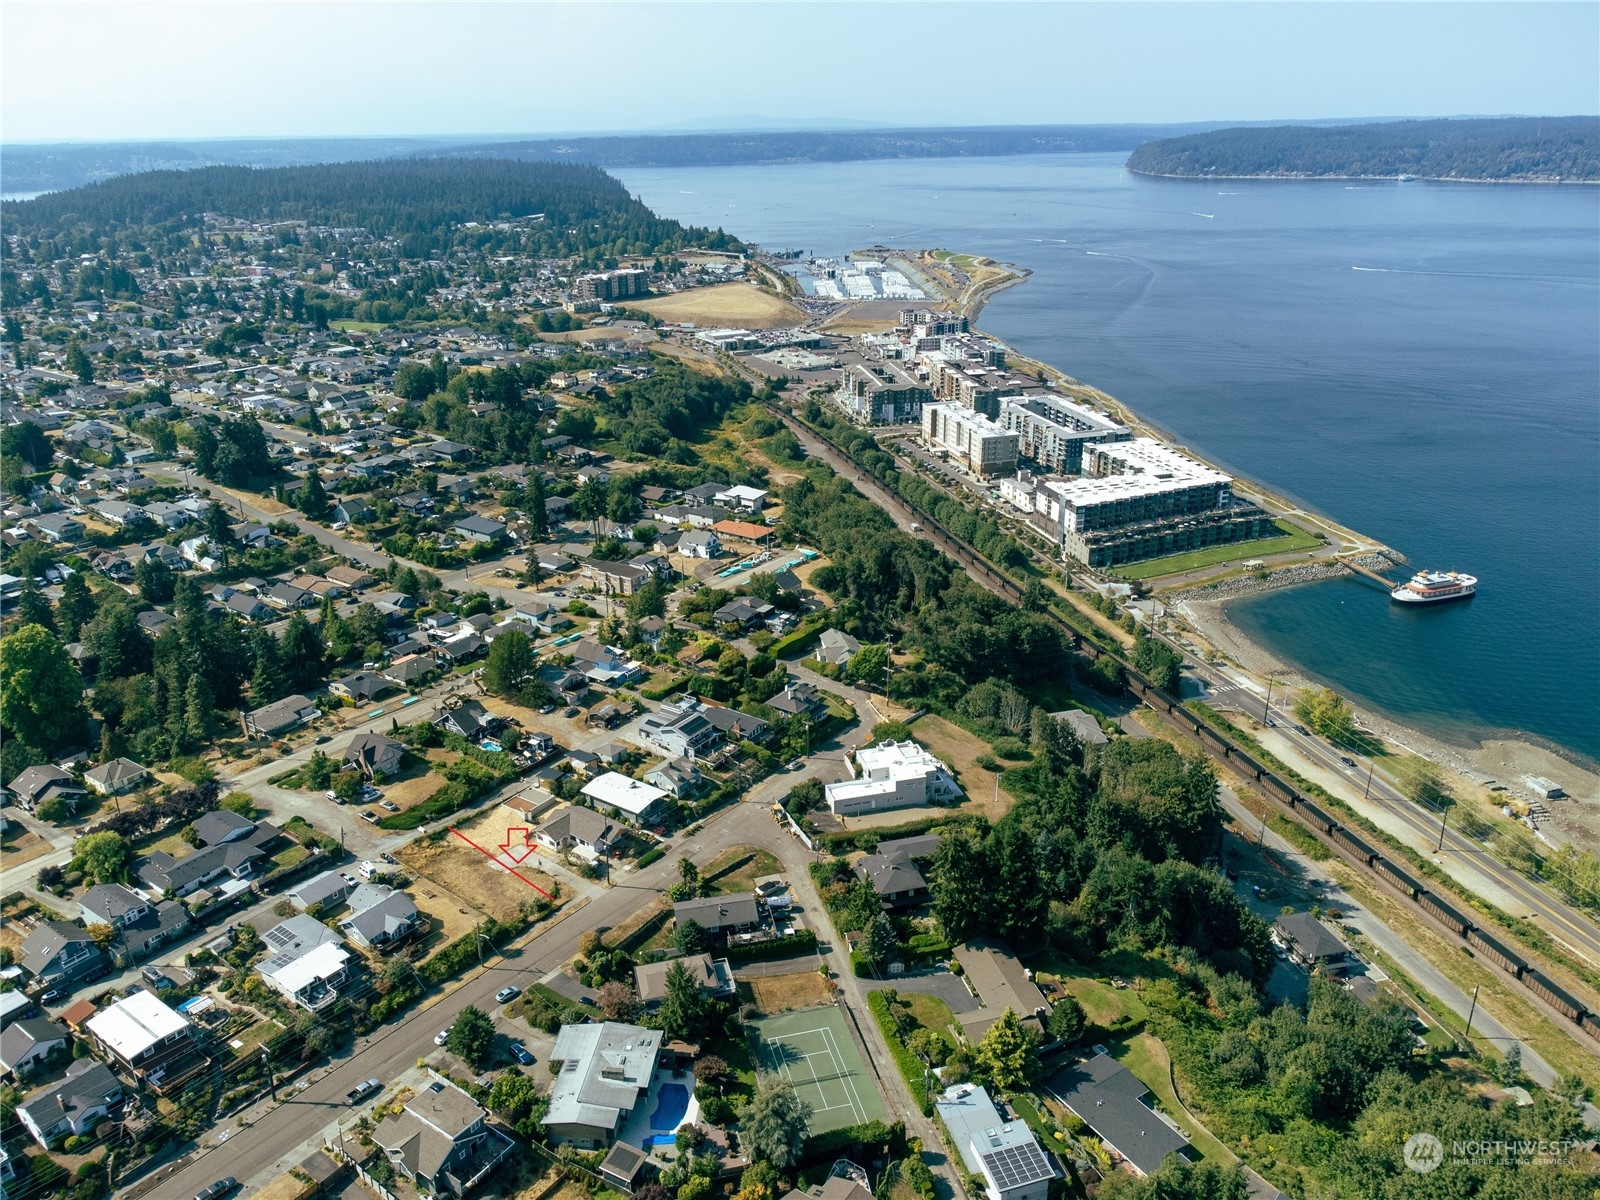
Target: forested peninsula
1501,150
424,204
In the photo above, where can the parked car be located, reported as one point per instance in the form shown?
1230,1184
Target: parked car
322,739
520,1053
368,815
389,858
331,794
370,793
1348,761
571,712
441,1037
348,878
797,765
547,709
388,806
225,1186
362,1090
506,994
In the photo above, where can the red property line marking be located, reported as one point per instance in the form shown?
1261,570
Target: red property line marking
495,858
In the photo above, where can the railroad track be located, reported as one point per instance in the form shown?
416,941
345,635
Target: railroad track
1383,870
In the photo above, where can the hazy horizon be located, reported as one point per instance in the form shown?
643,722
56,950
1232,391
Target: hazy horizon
81,73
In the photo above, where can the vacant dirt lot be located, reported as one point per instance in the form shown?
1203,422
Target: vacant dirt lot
781,993
20,848
738,304
451,867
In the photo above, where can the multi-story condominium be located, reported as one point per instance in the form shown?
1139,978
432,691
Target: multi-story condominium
1052,432
879,393
979,444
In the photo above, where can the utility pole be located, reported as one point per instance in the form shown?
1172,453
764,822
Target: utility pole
1372,765
1444,817
1471,1012
266,1063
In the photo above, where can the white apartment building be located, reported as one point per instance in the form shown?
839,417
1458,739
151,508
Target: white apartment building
983,446
892,775
1053,432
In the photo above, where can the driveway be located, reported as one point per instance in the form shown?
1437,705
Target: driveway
942,984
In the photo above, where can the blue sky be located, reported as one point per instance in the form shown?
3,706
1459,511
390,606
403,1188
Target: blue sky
118,71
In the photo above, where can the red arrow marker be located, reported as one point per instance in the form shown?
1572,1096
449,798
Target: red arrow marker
495,858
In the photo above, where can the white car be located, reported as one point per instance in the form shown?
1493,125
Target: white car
441,1037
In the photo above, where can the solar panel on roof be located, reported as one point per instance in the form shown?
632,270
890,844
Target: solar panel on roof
1015,1166
279,937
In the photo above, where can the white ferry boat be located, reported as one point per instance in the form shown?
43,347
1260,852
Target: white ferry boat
1434,587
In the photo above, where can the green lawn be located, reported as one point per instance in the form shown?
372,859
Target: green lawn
930,1012
1146,1059
736,870
1172,564
358,326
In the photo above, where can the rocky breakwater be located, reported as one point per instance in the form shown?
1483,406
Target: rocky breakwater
1266,581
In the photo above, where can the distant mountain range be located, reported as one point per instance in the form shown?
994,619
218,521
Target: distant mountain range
1506,150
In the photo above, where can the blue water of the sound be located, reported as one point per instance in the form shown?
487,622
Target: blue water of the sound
1419,361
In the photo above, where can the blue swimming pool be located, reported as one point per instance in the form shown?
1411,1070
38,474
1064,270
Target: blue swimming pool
672,1102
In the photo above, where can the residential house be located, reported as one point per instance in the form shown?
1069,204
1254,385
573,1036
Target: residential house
233,861
1000,982
140,1032
627,798
836,646
743,611
713,976
678,777
891,775
380,917
353,510
699,543
56,529
58,955
407,669
1108,1098
604,665
741,498
221,825
27,1044
799,700
480,529
721,916
307,963
606,1072
441,1142
898,882
470,719
33,786
1308,941
323,892
617,578
374,755
681,730
737,726
360,686
73,1106
1002,1153
142,926
115,777
278,716
584,830
462,647
1084,726
245,606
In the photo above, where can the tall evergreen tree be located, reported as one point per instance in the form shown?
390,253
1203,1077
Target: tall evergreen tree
312,499
76,607
301,652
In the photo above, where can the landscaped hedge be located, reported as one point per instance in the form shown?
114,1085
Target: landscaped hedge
911,1067
875,1138
463,952
802,941
799,638
661,689
650,856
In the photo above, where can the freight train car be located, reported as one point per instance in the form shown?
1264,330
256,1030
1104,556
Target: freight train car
1439,909
1396,876
1316,816
1497,953
1355,845
1541,986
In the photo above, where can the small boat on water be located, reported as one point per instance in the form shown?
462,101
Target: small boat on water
1435,587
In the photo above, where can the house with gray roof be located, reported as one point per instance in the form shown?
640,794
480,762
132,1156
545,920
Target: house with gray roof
737,912
441,1142
278,716
1308,941
236,860
222,825
1108,1098
713,976
58,954
73,1105
897,881
836,646
606,1072
326,891
115,777
26,1044
374,754
33,786
380,917
574,827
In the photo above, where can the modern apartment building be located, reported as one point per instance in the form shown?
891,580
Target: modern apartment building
983,446
612,285
880,393
1052,432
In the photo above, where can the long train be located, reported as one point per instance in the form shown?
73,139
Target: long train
1323,826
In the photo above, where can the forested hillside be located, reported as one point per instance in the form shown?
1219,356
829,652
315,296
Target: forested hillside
408,199
1525,149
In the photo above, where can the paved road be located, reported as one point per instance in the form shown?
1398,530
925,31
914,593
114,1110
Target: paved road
1465,860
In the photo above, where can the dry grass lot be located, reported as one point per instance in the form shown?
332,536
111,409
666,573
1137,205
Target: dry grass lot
453,868
736,304
20,848
418,781
959,750
870,316
782,993
737,868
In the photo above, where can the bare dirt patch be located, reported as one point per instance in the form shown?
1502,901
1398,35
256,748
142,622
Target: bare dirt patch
22,848
870,316
783,993
449,866
738,304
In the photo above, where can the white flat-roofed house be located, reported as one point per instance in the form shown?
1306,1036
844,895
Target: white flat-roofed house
606,1072
140,1032
307,963
1004,1154
892,775
630,799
